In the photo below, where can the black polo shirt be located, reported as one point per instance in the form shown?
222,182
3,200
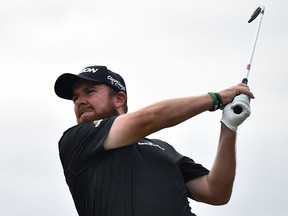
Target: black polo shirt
144,179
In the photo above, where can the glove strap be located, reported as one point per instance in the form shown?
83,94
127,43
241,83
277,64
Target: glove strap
217,100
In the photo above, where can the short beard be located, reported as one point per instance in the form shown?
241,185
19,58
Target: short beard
108,114
112,112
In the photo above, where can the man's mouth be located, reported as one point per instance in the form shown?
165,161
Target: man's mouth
85,111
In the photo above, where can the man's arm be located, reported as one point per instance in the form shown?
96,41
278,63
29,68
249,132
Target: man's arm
216,187
129,128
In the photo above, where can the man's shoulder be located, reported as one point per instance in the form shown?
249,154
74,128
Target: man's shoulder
86,131
85,126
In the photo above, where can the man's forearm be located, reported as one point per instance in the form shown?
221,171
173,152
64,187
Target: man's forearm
129,128
172,112
222,174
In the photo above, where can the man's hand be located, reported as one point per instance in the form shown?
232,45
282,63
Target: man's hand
229,94
230,118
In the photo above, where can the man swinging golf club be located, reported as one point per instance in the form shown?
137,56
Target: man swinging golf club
113,169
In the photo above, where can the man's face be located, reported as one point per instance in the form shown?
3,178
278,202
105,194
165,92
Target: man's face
92,101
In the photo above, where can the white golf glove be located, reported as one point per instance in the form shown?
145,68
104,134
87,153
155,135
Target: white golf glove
231,119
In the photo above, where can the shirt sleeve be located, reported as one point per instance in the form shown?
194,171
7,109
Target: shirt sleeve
191,170
82,145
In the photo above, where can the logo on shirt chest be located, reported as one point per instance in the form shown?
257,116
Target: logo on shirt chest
97,122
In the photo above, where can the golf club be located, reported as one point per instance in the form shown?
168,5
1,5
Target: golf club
260,10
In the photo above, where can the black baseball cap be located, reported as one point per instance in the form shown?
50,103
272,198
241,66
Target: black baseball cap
98,74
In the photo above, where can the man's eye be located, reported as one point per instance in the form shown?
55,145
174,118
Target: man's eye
90,91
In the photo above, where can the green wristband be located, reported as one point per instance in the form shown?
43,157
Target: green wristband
215,101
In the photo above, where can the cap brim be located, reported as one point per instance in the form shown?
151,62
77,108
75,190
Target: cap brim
64,85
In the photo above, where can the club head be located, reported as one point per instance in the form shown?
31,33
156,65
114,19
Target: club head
256,13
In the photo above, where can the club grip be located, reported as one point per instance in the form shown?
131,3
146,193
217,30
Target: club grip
245,80
239,109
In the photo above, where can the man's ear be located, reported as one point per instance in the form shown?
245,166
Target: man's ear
119,99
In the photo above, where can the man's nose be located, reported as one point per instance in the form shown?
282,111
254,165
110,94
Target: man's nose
81,100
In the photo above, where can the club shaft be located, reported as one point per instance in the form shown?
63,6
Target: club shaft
245,80
238,109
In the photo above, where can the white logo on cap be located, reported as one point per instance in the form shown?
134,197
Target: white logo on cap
116,83
90,70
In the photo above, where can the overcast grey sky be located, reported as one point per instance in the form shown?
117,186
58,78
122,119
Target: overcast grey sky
163,49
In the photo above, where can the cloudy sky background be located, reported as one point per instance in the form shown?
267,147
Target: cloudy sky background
163,49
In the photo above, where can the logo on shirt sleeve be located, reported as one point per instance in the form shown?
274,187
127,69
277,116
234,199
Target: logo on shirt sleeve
150,144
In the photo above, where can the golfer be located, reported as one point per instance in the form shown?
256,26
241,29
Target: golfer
113,169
